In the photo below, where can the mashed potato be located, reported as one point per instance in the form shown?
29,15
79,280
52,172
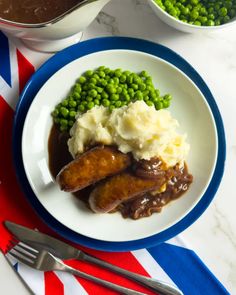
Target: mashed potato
136,128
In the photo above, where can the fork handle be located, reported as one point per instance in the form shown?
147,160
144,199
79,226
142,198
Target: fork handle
156,285
114,287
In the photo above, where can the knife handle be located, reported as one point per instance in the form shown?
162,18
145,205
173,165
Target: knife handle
107,284
161,287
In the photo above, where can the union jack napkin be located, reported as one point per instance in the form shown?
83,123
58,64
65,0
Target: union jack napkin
171,261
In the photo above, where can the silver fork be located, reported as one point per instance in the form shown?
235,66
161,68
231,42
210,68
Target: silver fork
45,261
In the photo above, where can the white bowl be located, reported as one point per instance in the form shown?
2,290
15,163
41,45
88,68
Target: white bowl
185,27
189,107
58,33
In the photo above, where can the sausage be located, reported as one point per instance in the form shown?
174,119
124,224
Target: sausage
92,166
107,195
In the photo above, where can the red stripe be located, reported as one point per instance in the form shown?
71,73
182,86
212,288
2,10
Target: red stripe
25,69
53,285
13,205
123,259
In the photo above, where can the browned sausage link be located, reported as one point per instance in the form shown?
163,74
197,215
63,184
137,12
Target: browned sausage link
92,166
119,188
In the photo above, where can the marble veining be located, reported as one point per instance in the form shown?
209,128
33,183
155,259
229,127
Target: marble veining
109,22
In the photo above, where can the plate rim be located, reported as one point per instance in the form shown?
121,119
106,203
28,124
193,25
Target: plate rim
81,49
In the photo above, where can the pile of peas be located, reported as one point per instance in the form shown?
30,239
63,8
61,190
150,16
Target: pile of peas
200,12
110,88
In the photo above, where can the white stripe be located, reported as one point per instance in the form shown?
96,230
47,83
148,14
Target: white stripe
71,285
34,57
151,266
11,94
177,241
34,279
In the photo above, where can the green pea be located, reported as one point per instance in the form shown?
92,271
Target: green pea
93,93
101,74
127,97
142,86
116,80
223,11
55,113
103,83
101,68
119,90
158,105
88,73
72,114
72,103
104,95
110,89
166,103
138,95
118,72
77,88
76,95
122,78
197,23
149,103
93,81
90,105
81,108
144,74
167,97
134,86
70,123
127,73
105,102
65,102
82,80
63,122
64,112
210,22
118,103
111,108
114,96
96,101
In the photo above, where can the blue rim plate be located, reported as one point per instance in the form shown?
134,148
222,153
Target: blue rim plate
84,48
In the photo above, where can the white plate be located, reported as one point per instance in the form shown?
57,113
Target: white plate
188,106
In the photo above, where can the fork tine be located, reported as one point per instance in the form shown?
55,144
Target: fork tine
21,258
11,244
25,248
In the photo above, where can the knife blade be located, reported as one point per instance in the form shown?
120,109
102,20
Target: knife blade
41,241
36,238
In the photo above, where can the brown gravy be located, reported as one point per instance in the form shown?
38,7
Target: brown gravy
140,206
34,11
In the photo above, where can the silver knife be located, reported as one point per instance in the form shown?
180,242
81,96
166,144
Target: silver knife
64,251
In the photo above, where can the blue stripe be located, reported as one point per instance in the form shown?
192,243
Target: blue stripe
186,270
16,266
5,69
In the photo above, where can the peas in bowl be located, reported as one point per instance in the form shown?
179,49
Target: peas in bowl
195,15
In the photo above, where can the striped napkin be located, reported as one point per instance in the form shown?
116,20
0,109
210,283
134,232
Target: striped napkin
172,261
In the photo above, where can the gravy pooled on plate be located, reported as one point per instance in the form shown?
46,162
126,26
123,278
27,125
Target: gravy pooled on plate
34,11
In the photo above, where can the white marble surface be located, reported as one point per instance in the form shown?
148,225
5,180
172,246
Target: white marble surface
213,235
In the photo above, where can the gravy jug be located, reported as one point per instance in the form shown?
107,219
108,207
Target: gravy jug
57,33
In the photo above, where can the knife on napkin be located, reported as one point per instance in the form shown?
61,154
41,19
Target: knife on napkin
64,251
